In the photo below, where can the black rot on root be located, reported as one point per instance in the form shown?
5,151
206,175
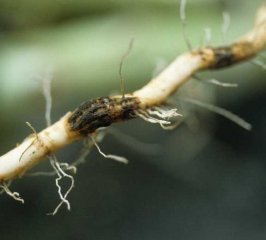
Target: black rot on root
102,112
232,54
226,56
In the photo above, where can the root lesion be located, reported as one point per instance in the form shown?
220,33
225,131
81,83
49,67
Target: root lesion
102,112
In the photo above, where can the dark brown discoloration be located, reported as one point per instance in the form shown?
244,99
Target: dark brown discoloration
102,112
229,55
217,58
223,57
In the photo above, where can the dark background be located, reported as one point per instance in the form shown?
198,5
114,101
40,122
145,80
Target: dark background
204,180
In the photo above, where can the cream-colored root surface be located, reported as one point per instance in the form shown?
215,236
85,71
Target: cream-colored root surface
183,67
34,149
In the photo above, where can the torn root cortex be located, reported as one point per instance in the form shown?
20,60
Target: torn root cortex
102,112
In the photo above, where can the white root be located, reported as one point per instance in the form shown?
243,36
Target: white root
259,63
114,157
144,115
173,126
208,36
225,26
7,185
85,151
48,97
221,84
184,24
57,167
36,139
14,195
234,118
133,143
164,114
17,161
216,82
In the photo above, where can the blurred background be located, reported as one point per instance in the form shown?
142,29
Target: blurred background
204,180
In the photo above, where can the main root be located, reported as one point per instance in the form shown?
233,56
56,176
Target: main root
146,103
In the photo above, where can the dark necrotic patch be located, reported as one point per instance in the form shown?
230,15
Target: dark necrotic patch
102,112
224,57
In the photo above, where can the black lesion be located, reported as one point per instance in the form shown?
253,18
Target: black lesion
224,57
102,112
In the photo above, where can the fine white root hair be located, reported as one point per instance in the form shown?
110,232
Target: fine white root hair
8,185
164,114
58,167
133,143
184,24
60,173
225,25
38,174
160,65
144,115
14,195
88,144
85,151
261,56
216,82
173,125
234,118
64,166
114,157
122,88
221,84
259,63
48,97
36,139
208,36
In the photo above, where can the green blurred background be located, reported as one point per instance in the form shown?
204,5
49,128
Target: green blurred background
204,180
